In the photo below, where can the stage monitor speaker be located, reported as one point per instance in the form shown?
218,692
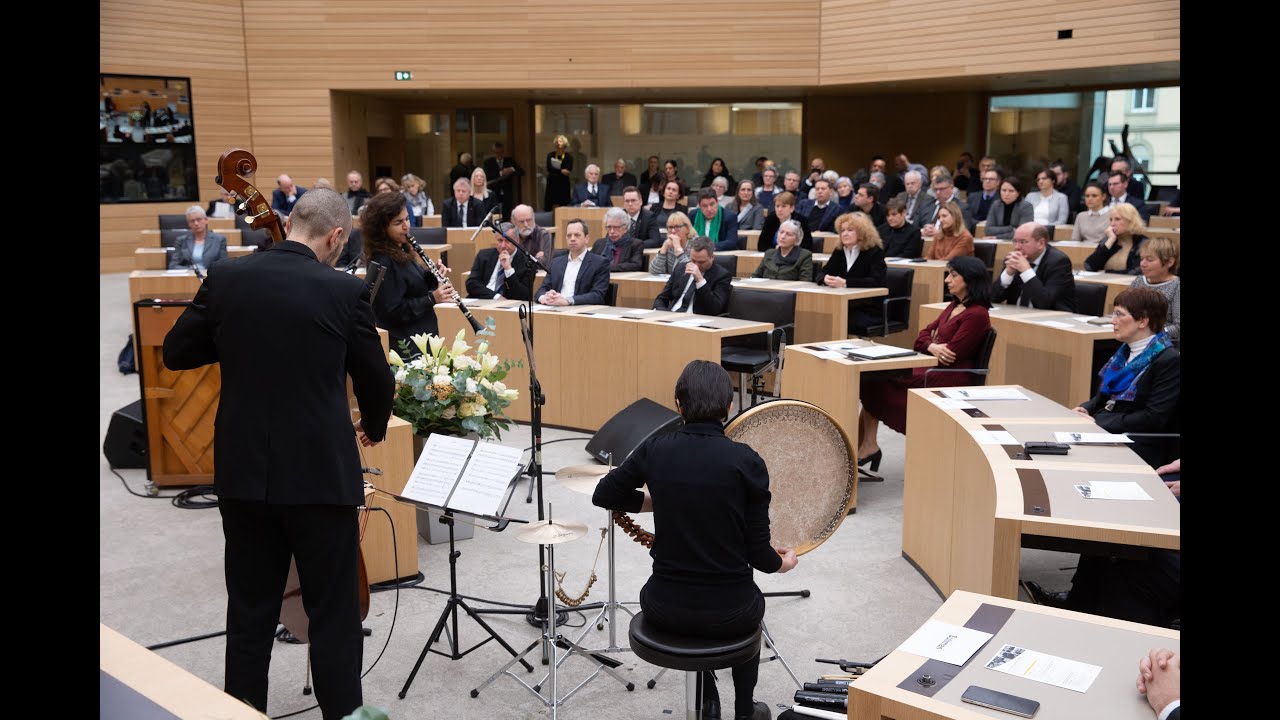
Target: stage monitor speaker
636,423
126,443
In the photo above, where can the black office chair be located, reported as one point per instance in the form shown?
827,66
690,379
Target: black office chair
758,354
169,236
545,219
558,252
986,252
982,368
895,309
173,222
728,262
429,236
611,296
1091,298
353,251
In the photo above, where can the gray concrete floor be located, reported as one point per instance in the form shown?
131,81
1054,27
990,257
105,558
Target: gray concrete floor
160,579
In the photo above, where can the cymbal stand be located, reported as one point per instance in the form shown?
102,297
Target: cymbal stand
608,610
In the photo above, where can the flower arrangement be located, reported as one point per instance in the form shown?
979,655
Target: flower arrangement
448,391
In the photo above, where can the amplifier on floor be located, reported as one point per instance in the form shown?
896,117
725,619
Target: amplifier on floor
636,423
126,443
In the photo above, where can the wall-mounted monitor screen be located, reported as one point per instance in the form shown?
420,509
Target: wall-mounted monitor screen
146,144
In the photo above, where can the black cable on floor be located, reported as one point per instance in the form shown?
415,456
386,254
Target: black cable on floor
138,494
200,497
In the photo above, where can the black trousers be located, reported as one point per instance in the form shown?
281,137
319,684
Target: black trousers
325,540
1145,591
717,612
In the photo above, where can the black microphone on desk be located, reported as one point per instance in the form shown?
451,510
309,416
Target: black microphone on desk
487,221
351,266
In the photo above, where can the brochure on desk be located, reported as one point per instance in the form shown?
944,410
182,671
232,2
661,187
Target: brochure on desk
468,476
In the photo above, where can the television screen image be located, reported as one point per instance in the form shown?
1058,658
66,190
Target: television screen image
146,148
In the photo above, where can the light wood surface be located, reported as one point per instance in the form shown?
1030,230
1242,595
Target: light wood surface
1173,222
462,251
594,218
1115,645
151,238
1055,361
1116,283
927,286
163,682
385,558
157,258
964,514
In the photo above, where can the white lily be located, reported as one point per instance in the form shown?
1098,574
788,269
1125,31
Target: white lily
394,359
421,341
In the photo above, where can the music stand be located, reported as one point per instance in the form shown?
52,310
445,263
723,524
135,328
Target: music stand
450,610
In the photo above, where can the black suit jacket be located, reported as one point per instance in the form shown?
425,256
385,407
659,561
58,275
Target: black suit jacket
516,287
475,213
617,184
819,220
601,198
1154,408
868,269
646,230
710,299
769,230
632,258
284,436
593,279
1053,287
506,187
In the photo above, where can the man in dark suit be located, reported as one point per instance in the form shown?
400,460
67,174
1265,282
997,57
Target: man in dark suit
1068,187
461,210
1036,274
288,472
701,286
500,271
640,219
822,211
623,252
1117,188
578,278
712,221
944,191
466,165
1134,187
919,203
980,200
503,176
593,192
865,200
284,196
619,178
357,194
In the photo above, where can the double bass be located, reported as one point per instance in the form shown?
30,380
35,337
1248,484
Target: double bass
235,167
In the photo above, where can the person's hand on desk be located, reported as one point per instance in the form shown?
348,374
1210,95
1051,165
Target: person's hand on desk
1169,210
834,281
1175,487
1160,678
1081,411
789,559
944,354
362,437
1015,263
552,297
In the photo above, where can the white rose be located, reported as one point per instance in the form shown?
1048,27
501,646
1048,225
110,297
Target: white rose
471,386
401,375
465,410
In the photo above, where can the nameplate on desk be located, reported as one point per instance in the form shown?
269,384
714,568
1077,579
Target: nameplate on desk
994,437
951,644
639,311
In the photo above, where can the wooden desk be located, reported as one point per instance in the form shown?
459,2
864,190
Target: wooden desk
157,258
927,286
394,456
134,680
594,217
222,224
1052,360
833,384
1116,283
1173,222
151,238
889,690
462,250
969,507
430,221
594,360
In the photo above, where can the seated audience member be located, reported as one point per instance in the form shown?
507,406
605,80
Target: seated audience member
624,253
1036,274
1010,212
817,169
223,207
357,193
698,285
1159,260
920,204
1160,679
654,170
758,176
745,209
1092,222
387,185
284,196
1117,185
1133,187
1174,207
965,175
981,198
500,271
831,176
577,278
671,170
944,192
1120,251
480,192
784,208
675,248
768,189
323,183
844,193
619,178
670,202
462,171
721,188
657,184
640,219
1066,185
591,193
821,211
535,240
462,210
712,221
857,262
901,239
786,261
791,184
420,205
951,239
1049,207
716,170
199,246
955,338
1140,384
865,200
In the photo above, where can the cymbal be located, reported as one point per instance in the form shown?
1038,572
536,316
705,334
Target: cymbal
548,532
581,479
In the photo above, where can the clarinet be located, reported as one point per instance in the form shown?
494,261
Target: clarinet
435,270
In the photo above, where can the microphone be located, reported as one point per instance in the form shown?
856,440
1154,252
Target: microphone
351,266
483,223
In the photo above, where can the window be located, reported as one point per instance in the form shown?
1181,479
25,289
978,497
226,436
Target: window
1142,100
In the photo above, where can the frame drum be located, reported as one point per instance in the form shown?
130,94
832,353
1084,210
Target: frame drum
812,470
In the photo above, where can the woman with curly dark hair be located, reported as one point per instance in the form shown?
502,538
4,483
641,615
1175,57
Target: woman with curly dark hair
716,170
405,304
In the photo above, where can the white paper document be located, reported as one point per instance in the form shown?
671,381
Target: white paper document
841,346
1056,323
179,271
1088,273
1075,438
462,475
638,312
688,323
876,352
470,301
1044,668
1125,490
993,437
831,355
949,643
753,279
950,404
972,394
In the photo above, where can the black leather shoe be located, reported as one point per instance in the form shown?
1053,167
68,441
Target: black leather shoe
711,708
759,712
1044,597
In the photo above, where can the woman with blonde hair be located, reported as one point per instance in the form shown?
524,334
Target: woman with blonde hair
675,249
858,262
415,190
953,238
1159,260
559,175
1125,233
480,191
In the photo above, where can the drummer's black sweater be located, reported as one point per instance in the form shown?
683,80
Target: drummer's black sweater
710,505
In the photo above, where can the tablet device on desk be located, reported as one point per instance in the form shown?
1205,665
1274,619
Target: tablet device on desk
878,352
1013,704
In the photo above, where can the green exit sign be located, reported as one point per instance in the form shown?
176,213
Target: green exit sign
404,75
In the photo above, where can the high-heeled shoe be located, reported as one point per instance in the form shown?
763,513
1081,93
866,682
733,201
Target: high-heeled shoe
874,458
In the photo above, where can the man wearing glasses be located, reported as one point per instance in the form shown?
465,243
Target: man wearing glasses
980,200
624,253
1036,274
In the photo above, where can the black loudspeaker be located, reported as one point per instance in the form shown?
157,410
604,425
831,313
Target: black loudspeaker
625,431
126,443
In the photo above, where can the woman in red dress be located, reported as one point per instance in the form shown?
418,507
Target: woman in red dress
954,338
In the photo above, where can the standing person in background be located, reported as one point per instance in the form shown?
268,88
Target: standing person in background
463,168
654,169
288,474
559,175
503,174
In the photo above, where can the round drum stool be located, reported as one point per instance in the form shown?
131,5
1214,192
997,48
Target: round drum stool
691,654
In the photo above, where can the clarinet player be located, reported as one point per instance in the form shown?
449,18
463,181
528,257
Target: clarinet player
405,305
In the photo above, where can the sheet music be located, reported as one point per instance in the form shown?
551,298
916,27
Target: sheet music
486,479
442,460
